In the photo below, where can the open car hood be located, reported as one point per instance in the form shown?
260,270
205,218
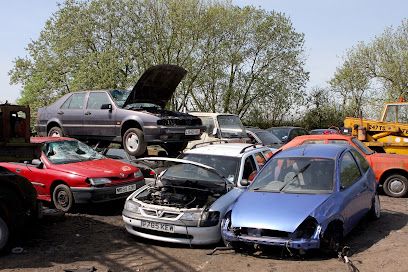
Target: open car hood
156,85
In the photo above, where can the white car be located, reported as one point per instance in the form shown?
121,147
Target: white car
186,201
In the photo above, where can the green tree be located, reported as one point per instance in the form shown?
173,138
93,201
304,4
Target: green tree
238,59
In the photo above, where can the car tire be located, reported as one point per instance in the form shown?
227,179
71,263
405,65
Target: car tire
395,185
175,148
55,132
375,211
11,217
4,235
62,198
331,242
133,142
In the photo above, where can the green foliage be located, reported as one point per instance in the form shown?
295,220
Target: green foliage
374,71
241,60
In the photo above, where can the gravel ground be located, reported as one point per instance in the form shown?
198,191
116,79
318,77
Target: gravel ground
95,237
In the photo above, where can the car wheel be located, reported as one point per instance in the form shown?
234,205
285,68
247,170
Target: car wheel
375,211
4,234
332,239
395,185
62,198
55,132
133,142
175,148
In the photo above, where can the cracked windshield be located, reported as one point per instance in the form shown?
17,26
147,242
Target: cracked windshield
62,152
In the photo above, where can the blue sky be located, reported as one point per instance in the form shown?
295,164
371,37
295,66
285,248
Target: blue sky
330,27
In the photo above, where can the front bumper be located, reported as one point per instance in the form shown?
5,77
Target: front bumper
160,134
102,194
183,234
304,244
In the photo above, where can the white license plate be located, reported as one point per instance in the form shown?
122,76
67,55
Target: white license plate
192,131
125,189
157,226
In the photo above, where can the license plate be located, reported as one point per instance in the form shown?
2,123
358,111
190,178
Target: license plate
192,131
125,189
157,226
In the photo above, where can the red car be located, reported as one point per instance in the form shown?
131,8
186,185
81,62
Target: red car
391,170
71,172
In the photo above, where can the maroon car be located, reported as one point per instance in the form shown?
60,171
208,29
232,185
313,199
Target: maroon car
71,172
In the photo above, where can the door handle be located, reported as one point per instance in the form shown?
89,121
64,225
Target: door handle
88,113
60,112
18,170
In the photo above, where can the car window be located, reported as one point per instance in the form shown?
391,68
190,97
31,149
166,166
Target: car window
337,142
260,159
362,161
208,122
267,154
349,172
366,150
302,132
251,137
391,114
96,100
313,142
249,167
74,102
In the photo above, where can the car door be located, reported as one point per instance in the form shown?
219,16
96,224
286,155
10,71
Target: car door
71,114
98,121
367,192
351,190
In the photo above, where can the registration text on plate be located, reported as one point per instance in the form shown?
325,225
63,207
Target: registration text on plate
157,226
125,189
192,131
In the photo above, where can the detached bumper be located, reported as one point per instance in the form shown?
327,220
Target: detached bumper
102,194
182,234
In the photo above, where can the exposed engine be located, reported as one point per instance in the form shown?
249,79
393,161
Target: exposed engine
179,197
172,118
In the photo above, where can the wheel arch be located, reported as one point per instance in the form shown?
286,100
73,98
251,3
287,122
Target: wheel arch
55,184
131,123
390,172
54,123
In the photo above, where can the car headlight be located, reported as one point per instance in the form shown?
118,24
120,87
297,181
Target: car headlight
306,229
132,206
99,181
205,219
138,174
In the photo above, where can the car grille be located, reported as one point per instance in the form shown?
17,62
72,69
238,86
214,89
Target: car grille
179,122
264,232
160,214
163,234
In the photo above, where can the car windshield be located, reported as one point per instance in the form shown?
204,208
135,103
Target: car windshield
366,150
280,132
231,126
300,175
190,172
120,96
70,151
267,137
226,166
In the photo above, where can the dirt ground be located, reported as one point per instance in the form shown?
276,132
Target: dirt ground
95,237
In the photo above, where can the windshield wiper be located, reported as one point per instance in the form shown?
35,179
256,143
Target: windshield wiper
295,176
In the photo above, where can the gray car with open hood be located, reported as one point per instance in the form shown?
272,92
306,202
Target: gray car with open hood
135,118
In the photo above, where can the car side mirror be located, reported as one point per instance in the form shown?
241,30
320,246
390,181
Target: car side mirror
38,163
106,107
244,182
215,132
284,138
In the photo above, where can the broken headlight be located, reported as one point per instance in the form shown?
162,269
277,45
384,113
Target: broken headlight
306,229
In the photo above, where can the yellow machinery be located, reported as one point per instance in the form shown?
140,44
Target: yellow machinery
389,135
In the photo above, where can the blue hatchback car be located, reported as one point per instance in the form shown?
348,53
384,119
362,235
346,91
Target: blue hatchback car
306,197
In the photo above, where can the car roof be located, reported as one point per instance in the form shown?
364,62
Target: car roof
329,151
229,149
40,140
323,137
